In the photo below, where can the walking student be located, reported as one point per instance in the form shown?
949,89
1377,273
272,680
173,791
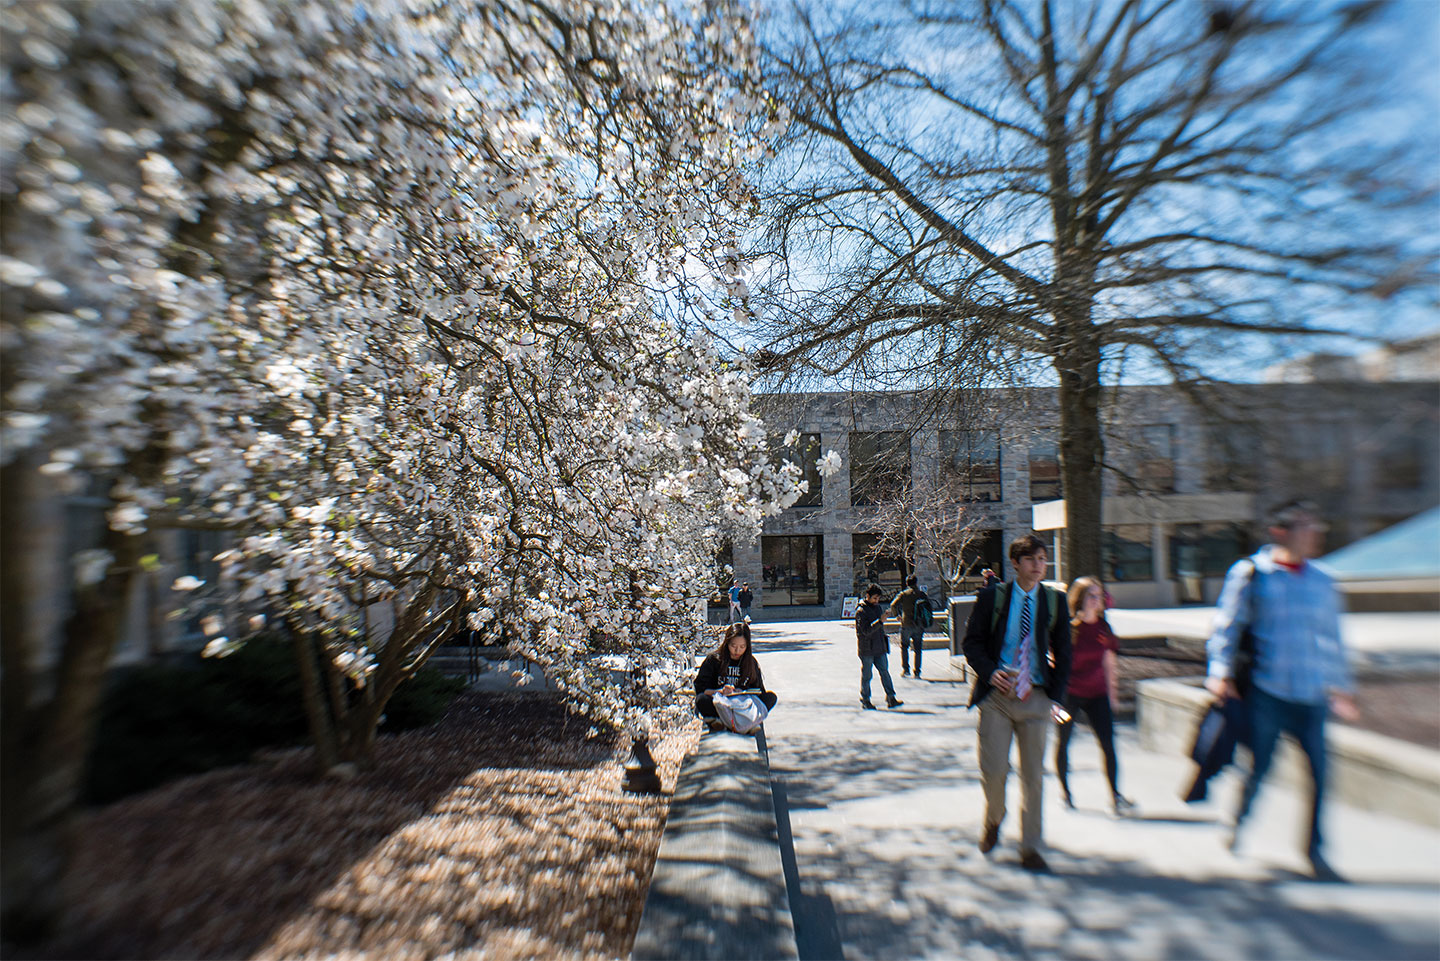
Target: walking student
735,615
1018,642
1091,689
1279,622
912,632
873,645
746,597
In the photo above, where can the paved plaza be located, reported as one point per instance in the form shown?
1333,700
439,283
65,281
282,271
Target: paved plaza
885,808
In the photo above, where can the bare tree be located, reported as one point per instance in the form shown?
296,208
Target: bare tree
1053,184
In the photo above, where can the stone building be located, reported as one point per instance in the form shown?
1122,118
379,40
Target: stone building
940,489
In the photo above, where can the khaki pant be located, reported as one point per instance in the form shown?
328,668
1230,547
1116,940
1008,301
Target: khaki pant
1002,716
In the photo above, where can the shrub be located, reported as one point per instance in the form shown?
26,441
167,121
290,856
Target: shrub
162,721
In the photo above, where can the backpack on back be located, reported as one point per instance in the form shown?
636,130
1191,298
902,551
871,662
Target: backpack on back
924,616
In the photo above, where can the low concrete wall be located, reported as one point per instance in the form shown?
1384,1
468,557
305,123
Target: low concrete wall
718,890
1367,770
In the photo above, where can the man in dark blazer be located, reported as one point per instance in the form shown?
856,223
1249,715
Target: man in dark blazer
1018,642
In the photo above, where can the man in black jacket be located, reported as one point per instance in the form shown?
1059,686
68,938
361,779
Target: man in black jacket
873,645
1018,642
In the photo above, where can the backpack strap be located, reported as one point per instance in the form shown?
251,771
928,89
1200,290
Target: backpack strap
1002,595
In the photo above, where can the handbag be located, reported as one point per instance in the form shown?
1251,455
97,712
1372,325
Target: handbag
741,713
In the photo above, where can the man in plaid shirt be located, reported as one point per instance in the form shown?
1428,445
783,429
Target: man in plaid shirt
1290,611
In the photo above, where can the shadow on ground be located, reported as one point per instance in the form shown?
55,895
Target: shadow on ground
429,849
889,893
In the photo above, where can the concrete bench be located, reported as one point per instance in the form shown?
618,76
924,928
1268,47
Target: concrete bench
718,890
1366,770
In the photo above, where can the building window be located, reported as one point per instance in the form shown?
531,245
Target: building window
1155,466
724,567
1045,469
1126,553
805,454
1398,464
879,466
1207,550
877,562
981,550
970,460
1235,456
793,570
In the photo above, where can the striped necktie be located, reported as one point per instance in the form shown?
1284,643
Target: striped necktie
1022,666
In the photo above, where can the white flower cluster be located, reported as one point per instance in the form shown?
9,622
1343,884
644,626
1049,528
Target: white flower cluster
369,290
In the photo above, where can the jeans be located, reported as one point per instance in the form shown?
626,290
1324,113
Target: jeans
1097,712
881,663
1269,718
734,613
911,636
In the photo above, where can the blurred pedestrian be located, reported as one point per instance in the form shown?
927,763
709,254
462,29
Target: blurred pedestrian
1092,687
746,598
735,615
1018,642
989,577
873,646
912,632
1279,623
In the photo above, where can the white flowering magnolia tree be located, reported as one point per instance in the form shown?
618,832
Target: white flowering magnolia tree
394,294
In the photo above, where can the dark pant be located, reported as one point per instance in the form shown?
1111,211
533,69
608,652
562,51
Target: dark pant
1269,718
911,637
705,703
881,663
1102,722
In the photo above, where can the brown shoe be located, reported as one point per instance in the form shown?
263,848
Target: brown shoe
1032,861
991,838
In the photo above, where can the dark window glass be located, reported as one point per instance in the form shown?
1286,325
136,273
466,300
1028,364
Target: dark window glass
724,573
879,466
805,454
970,460
1045,469
878,564
1233,460
1207,550
1126,553
1155,463
981,549
792,570
1398,464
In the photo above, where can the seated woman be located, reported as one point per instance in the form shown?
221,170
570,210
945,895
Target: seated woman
728,669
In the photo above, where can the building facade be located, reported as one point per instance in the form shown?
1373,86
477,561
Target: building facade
939,489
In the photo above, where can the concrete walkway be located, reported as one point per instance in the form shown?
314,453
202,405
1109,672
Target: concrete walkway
885,807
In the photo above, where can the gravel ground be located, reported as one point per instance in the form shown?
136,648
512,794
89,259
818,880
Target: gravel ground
500,832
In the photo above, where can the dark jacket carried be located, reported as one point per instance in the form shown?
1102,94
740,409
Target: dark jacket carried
870,637
982,645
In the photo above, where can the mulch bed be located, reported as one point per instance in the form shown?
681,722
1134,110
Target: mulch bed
500,832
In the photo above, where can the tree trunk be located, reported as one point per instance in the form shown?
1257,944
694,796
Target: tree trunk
1082,454
48,737
317,709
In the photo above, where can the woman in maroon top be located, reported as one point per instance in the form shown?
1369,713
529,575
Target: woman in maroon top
1092,684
